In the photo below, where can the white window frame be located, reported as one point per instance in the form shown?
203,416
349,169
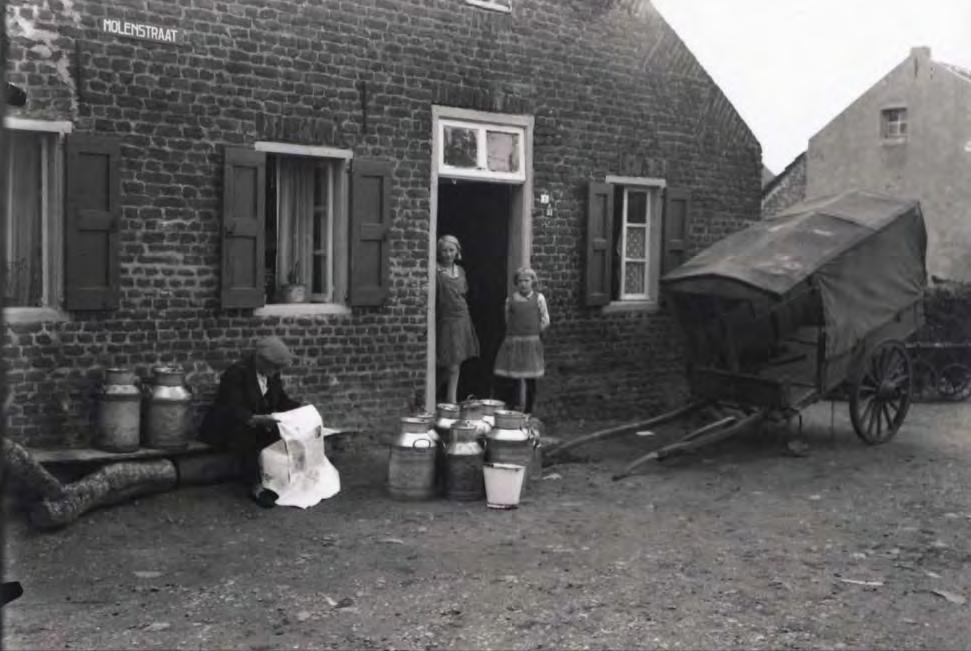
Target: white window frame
52,230
334,302
481,172
503,6
625,227
895,128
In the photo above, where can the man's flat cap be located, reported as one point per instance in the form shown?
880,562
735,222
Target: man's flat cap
274,351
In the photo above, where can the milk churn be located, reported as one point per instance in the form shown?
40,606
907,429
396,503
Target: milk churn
509,441
167,401
473,411
446,414
411,460
463,463
489,407
119,412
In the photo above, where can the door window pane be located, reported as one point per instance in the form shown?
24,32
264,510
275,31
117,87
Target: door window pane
634,277
460,147
636,243
502,151
636,207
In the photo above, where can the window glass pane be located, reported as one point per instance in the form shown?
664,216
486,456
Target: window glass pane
636,207
23,256
502,150
636,243
634,277
460,148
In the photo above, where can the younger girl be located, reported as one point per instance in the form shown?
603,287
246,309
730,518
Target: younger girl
521,355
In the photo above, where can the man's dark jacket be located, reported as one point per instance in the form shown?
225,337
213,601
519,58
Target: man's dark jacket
238,398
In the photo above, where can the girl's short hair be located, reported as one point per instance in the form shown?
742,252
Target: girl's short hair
450,239
525,271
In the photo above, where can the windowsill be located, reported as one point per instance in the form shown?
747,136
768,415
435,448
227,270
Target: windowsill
301,309
488,4
33,315
891,142
630,306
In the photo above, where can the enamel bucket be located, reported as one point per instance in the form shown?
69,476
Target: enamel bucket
503,484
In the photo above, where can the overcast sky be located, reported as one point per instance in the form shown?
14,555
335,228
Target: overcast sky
791,66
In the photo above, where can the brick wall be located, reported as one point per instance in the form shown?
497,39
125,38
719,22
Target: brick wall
612,89
786,189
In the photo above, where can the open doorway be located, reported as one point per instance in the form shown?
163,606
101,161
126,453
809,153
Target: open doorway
478,214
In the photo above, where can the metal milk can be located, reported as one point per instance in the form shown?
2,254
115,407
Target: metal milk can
509,441
489,408
473,411
463,463
446,413
411,460
167,402
119,412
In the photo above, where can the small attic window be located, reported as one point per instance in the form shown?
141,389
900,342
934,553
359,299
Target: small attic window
504,6
893,123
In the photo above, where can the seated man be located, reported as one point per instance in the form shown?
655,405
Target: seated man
239,419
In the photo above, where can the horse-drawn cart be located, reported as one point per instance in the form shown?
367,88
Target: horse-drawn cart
817,299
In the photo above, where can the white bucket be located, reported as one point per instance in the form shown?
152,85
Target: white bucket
503,484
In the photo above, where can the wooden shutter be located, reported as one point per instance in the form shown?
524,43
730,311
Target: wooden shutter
677,206
92,219
600,218
244,222
370,222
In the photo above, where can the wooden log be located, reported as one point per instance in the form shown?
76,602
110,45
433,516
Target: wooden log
717,431
623,429
111,484
21,465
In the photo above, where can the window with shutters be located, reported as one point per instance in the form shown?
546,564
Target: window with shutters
302,200
636,232
32,218
305,229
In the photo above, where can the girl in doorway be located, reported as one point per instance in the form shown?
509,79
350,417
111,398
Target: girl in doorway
455,336
521,355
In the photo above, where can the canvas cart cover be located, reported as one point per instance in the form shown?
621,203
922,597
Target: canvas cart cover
864,251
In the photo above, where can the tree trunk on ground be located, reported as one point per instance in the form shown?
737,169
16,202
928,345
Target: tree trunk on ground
19,464
111,484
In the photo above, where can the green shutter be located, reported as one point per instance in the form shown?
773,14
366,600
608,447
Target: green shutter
369,225
600,216
244,219
92,220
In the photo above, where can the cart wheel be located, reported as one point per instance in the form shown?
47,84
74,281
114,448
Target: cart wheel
954,382
924,379
880,400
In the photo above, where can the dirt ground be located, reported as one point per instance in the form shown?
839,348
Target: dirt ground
736,547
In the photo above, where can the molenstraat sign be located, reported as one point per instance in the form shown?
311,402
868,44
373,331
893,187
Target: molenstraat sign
139,30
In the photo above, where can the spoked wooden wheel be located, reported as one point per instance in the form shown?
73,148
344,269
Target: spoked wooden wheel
954,382
880,400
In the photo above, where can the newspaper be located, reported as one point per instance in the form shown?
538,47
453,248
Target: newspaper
296,467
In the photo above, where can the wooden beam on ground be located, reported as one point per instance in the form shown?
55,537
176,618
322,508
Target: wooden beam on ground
622,429
711,433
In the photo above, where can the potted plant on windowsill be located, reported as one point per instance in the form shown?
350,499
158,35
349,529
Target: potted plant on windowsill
294,291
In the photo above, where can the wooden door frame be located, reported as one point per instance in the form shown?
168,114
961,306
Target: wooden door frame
520,218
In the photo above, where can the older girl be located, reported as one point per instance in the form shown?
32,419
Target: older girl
455,336
521,355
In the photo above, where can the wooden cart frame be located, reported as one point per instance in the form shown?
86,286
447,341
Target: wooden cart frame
816,300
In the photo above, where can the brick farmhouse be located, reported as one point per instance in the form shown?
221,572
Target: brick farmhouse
180,164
